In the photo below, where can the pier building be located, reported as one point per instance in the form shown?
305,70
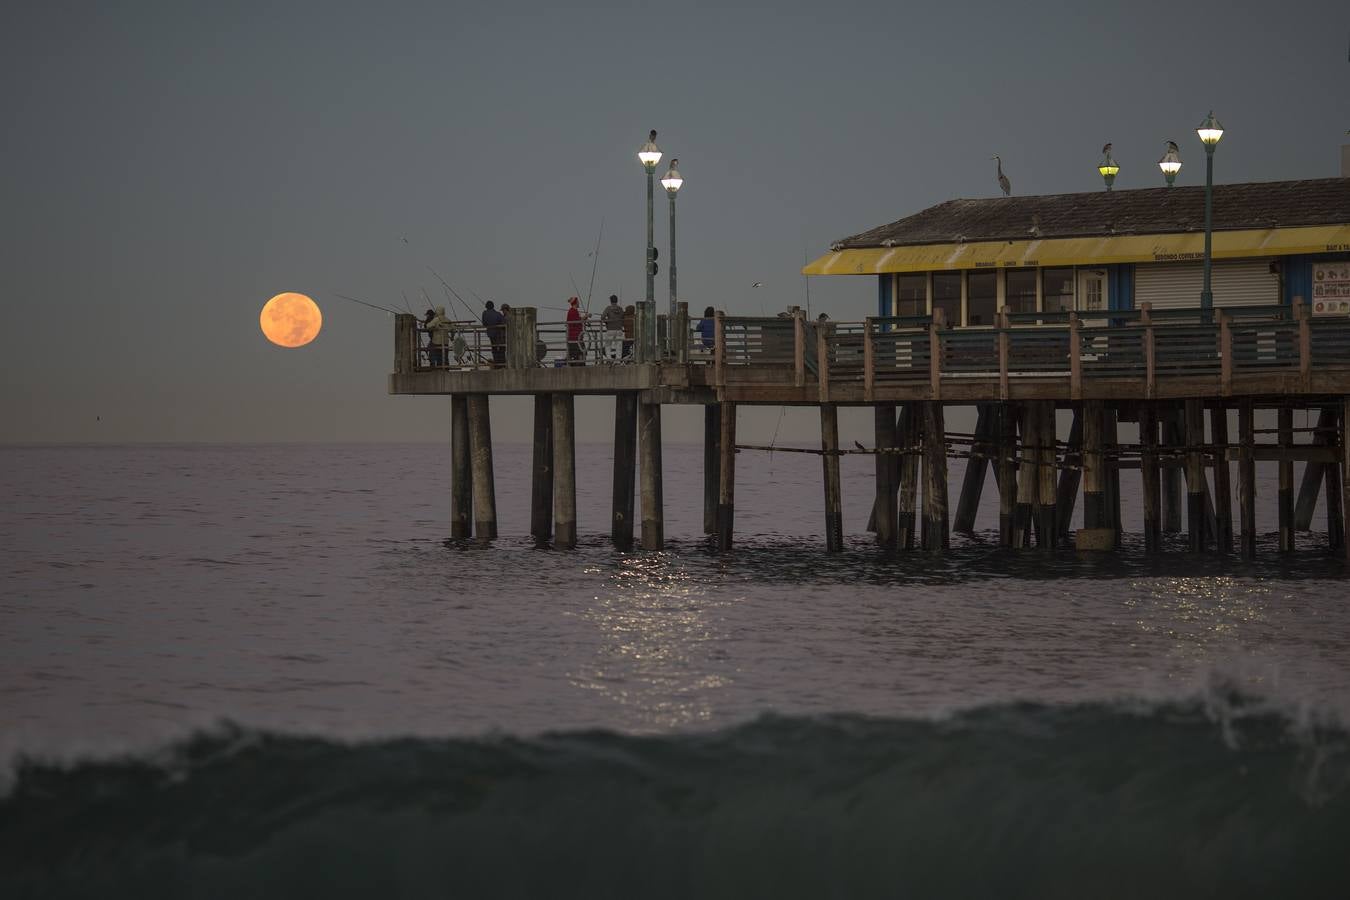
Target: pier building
1019,306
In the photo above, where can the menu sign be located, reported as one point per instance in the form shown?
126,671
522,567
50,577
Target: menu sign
1331,288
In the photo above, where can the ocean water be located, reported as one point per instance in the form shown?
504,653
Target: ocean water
263,670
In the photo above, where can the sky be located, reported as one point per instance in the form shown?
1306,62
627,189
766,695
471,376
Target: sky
168,167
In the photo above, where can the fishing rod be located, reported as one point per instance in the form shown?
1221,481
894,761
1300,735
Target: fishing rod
451,290
406,304
595,261
392,312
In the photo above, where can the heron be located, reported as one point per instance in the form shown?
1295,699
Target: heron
1172,147
1003,181
1106,149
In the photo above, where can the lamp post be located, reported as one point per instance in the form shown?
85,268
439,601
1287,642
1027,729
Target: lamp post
1107,168
649,155
672,181
1209,131
1170,163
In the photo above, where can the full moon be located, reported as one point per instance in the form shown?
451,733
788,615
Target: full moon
291,320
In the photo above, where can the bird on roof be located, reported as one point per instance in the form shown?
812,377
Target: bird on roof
1035,229
1106,149
1003,181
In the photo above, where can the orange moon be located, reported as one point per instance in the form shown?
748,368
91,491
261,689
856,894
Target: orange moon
290,320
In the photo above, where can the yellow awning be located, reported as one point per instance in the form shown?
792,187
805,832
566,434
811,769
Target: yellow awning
1083,251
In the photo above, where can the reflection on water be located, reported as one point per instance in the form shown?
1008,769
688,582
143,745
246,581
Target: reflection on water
659,656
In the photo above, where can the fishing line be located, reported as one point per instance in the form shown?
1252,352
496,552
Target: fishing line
392,312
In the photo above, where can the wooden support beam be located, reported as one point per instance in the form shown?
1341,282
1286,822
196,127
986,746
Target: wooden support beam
1225,354
1028,484
649,448
823,360
712,457
405,344
1345,473
625,469
1151,477
869,360
1007,469
1286,469
1301,312
726,473
461,469
1094,467
934,477
887,469
972,483
1047,526
480,452
1170,422
1313,472
1335,520
799,349
1111,446
1223,489
541,470
564,472
1003,349
908,431
1195,474
1075,359
1150,365
829,445
935,354
1246,480
1293,454
719,350
1070,477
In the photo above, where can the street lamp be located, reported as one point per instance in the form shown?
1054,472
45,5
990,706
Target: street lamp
671,181
649,155
1170,163
1108,168
1209,131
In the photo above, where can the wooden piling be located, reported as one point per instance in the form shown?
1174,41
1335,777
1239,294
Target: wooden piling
1070,477
934,476
1111,452
1223,491
1150,477
1286,469
1028,484
649,447
1007,478
908,431
712,479
1335,519
625,469
1047,525
480,451
1345,474
1171,475
1094,467
884,510
726,472
541,482
564,472
1247,480
829,445
1194,413
972,483
461,469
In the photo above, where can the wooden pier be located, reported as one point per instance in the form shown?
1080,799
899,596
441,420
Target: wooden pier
1161,370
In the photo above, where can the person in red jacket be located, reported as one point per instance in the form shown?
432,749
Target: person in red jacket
575,318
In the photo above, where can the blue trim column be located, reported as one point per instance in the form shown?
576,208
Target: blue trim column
885,291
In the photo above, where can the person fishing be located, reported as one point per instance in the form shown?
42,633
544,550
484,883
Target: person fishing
575,319
495,325
439,333
612,320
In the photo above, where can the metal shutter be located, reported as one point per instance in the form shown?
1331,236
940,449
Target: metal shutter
1241,282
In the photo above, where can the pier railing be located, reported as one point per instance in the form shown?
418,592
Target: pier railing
1142,345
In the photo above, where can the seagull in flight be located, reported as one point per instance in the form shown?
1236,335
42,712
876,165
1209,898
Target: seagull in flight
859,446
757,284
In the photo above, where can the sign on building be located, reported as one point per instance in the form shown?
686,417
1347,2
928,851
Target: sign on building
1331,288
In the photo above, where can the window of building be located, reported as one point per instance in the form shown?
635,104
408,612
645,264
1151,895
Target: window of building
1057,286
947,296
1020,294
981,298
911,295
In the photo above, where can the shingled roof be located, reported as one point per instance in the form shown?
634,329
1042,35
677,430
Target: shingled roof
1268,204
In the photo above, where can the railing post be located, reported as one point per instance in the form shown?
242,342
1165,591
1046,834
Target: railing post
405,343
1003,339
799,347
869,363
935,354
719,350
681,334
823,359
520,332
1304,344
1150,356
1225,354
1075,359
641,349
